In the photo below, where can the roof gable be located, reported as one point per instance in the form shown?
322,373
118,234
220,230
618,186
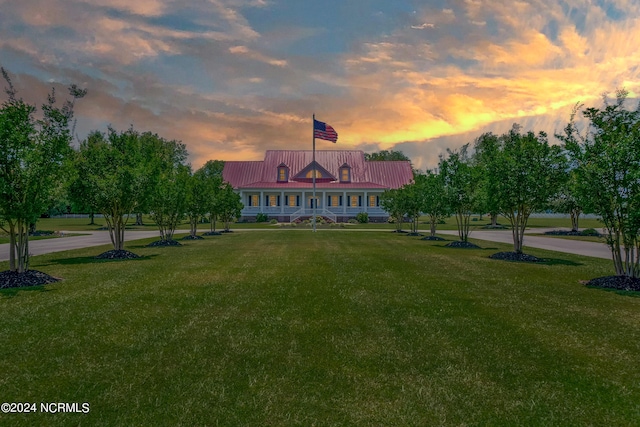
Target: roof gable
305,174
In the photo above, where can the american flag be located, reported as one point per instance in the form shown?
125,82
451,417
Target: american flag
322,130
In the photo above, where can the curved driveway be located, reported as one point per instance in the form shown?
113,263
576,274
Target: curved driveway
97,238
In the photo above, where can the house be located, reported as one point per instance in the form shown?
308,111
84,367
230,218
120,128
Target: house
281,186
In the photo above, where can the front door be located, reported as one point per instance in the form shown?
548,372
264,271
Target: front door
311,202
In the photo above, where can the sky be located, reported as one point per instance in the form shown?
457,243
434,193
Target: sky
234,78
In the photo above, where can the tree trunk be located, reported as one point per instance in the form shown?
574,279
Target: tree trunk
433,226
22,247
12,245
575,216
139,219
91,218
494,219
193,221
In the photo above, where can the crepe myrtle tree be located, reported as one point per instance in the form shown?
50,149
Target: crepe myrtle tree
486,147
112,166
608,175
413,200
211,174
229,206
527,172
433,199
33,163
462,187
197,200
392,202
165,195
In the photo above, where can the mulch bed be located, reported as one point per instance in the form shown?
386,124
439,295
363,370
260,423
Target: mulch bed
414,234
432,238
514,256
40,233
190,237
494,227
461,244
399,231
621,283
570,233
164,243
12,279
212,233
117,254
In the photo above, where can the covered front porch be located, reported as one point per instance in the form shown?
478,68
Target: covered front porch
287,206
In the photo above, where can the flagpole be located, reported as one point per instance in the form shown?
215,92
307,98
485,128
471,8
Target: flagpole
313,201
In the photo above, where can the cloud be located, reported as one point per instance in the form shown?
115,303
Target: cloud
233,78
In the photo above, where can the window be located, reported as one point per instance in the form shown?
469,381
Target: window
273,201
355,201
335,200
345,173
283,173
293,201
253,200
373,201
310,173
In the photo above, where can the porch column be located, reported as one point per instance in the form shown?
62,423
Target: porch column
366,202
345,202
282,202
261,204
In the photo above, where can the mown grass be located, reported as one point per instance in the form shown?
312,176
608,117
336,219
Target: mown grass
331,328
78,224
597,239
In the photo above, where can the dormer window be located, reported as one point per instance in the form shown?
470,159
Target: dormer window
283,173
345,173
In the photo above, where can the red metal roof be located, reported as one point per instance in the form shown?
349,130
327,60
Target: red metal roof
264,174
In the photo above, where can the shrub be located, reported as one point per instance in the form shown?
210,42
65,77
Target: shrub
273,221
362,217
352,221
590,232
262,217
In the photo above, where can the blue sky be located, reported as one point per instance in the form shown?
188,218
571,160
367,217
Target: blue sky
233,78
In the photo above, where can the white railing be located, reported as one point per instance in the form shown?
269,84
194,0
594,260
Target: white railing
309,212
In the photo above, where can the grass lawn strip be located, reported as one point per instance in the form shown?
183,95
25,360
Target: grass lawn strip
330,329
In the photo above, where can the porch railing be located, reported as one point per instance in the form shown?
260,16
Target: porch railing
309,212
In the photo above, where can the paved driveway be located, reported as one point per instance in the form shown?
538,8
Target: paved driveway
97,238
578,247
92,238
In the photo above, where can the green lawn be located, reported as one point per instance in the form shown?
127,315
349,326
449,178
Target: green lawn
596,239
332,328
79,224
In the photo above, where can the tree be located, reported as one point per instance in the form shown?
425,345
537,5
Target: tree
411,203
529,172
166,194
566,200
112,166
386,155
461,183
608,176
486,148
32,165
197,200
392,202
229,206
433,198
211,173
